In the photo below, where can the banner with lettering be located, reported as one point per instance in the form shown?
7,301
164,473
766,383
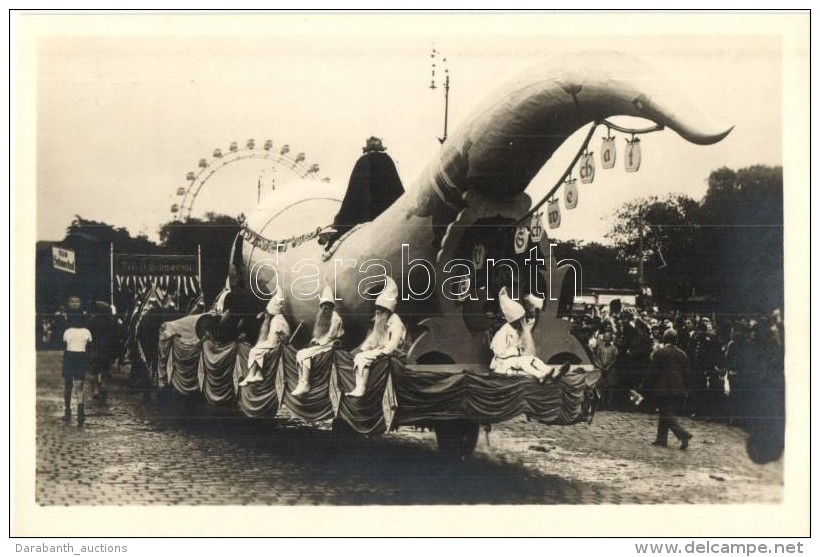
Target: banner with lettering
586,168
570,194
522,239
64,259
608,153
632,157
141,265
271,245
536,228
553,213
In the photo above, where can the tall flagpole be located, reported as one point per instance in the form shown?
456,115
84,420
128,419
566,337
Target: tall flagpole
640,249
199,266
446,102
111,275
434,56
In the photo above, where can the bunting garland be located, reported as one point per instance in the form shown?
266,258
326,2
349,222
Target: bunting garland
272,246
522,239
585,162
177,284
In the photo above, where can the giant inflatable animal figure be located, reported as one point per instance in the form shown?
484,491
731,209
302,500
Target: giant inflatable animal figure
459,214
456,236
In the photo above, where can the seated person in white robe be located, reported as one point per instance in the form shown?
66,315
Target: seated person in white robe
326,332
513,347
386,337
275,330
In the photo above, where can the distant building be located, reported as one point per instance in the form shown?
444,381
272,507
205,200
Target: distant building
602,297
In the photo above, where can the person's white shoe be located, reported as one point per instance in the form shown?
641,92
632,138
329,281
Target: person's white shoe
251,378
300,389
356,392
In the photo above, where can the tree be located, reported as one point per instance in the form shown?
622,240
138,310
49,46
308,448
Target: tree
743,227
86,230
728,246
91,242
601,265
671,243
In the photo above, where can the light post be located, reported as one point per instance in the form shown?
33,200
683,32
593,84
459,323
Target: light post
446,90
640,249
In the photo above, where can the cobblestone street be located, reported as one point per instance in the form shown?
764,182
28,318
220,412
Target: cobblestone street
130,454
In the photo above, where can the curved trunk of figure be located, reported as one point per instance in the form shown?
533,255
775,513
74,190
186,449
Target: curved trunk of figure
490,158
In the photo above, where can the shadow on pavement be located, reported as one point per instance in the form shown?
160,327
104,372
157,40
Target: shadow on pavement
382,470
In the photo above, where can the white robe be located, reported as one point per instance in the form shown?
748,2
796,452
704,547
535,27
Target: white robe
391,341
324,343
510,349
279,330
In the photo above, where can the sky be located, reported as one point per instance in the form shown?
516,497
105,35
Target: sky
126,107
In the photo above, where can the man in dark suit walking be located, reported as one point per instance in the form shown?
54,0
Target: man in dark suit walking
665,385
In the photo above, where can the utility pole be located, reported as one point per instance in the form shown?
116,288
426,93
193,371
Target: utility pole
640,248
433,55
446,103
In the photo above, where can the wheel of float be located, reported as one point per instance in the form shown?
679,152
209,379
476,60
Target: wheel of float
190,405
165,399
457,439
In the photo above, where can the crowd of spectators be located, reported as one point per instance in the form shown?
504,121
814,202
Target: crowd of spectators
734,362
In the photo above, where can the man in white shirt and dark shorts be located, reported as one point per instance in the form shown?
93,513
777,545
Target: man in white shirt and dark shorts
75,364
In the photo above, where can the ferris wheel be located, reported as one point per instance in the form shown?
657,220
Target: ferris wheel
279,158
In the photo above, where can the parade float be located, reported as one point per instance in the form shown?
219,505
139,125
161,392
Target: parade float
463,229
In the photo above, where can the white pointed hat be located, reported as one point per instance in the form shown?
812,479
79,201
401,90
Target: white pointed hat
512,310
535,301
389,295
327,296
276,302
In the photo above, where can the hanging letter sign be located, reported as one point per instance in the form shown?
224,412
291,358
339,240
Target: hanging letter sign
587,168
536,229
479,255
553,213
570,194
608,153
633,155
522,237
